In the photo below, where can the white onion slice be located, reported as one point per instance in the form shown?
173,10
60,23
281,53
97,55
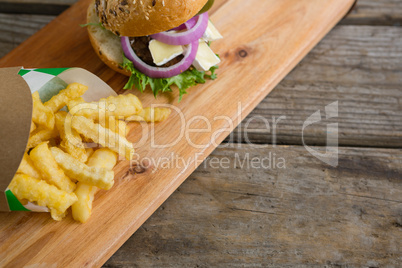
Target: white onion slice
187,37
160,72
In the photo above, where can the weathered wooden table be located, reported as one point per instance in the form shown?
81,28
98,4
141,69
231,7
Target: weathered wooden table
291,209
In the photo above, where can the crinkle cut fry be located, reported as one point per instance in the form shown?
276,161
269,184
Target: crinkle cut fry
102,136
117,106
71,140
44,194
99,177
46,164
41,115
101,158
27,167
60,100
151,115
40,135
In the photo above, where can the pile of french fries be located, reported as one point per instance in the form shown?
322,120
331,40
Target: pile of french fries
59,170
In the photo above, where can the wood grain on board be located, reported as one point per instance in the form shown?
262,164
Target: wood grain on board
282,41
360,67
301,213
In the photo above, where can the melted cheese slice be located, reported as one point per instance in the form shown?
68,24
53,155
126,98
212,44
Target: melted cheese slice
205,58
163,53
211,34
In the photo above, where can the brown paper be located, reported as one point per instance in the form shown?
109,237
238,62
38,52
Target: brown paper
15,123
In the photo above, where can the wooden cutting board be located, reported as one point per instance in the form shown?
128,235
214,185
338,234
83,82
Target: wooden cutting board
264,40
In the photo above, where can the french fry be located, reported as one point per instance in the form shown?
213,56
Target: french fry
88,110
60,100
71,141
117,126
41,115
151,115
89,152
102,158
46,164
99,177
116,106
27,167
47,176
103,136
98,112
57,215
75,102
135,118
44,194
41,135
33,127
121,105
81,210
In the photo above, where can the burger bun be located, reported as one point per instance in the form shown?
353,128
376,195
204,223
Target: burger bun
106,44
145,17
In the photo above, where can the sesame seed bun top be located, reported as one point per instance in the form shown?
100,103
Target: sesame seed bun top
145,17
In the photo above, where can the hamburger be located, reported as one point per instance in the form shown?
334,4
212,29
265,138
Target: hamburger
157,43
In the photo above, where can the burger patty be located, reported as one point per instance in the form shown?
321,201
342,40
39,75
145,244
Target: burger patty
140,46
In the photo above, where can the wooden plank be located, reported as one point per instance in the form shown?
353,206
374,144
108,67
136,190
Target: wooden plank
376,12
307,214
41,2
283,40
44,7
358,66
366,83
14,29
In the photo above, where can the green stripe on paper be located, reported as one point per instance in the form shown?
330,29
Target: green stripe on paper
23,72
52,71
14,203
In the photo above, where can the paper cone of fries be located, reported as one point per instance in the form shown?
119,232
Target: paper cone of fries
16,88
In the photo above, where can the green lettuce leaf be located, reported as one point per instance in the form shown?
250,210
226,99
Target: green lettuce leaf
183,81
